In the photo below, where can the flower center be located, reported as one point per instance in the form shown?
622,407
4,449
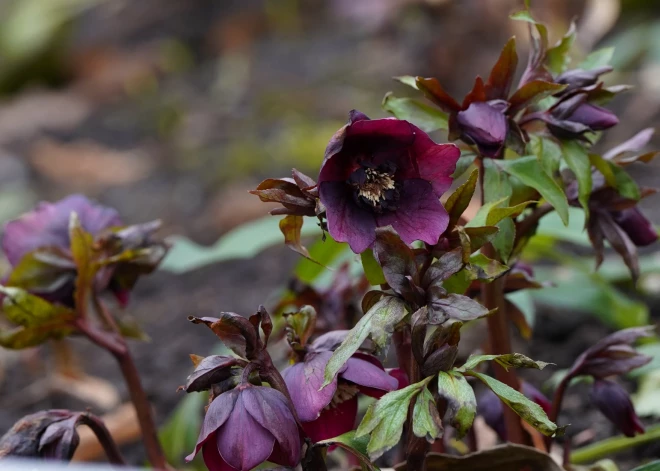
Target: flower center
375,188
344,392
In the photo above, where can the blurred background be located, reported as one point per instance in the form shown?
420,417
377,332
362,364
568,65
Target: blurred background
173,109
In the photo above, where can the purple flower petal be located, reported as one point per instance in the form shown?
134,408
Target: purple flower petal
333,421
216,415
436,162
639,229
347,222
420,215
375,135
364,373
485,125
614,402
242,442
212,458
595,117
271,410
304,380
48,225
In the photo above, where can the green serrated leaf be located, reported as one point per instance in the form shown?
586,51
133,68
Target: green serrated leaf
557,57
496,214
479,219
372,270
527,170
425,117
486,269
427,422
459,200
598,58
547,152
577,159
461,402
407,80
528,410
505,238
325,252
496,182
354,445
378,323
464,162
508,360
384,419
28,310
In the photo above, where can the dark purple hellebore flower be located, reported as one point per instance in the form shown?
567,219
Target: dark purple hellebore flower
570,118
576,79
47,227
332,410
385,172
614,402
245,427
491,409
636,225
486,125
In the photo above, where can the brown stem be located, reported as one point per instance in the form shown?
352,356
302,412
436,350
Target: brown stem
116,345
417,448
499,336
557,399
105,439
142,408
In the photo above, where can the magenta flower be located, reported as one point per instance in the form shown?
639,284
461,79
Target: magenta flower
385,172
614,402
245,427
332,410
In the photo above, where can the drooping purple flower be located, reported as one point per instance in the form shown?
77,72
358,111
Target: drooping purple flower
573,116
48,225
575,79
245,427
486,125
47,228
37,246
333,410
614,402
490,407
637,226
385,172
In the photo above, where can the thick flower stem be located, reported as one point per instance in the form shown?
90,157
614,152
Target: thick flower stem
417,448
117,346
556,404
104,438
499,338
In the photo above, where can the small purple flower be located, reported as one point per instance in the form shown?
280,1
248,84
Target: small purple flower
572,117
485,125
614,402
491,409
385,172
245,427
576,79
333,410
636,225
47,227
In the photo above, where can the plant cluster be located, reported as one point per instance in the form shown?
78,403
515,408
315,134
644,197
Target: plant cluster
428,272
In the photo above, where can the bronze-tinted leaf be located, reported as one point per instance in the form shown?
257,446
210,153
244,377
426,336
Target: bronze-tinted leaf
397,260
620,242
477,94
501,76
531,93
434,92
448,264
211,370
460,199
235,331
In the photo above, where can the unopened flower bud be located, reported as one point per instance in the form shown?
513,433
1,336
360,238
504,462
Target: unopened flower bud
614,402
